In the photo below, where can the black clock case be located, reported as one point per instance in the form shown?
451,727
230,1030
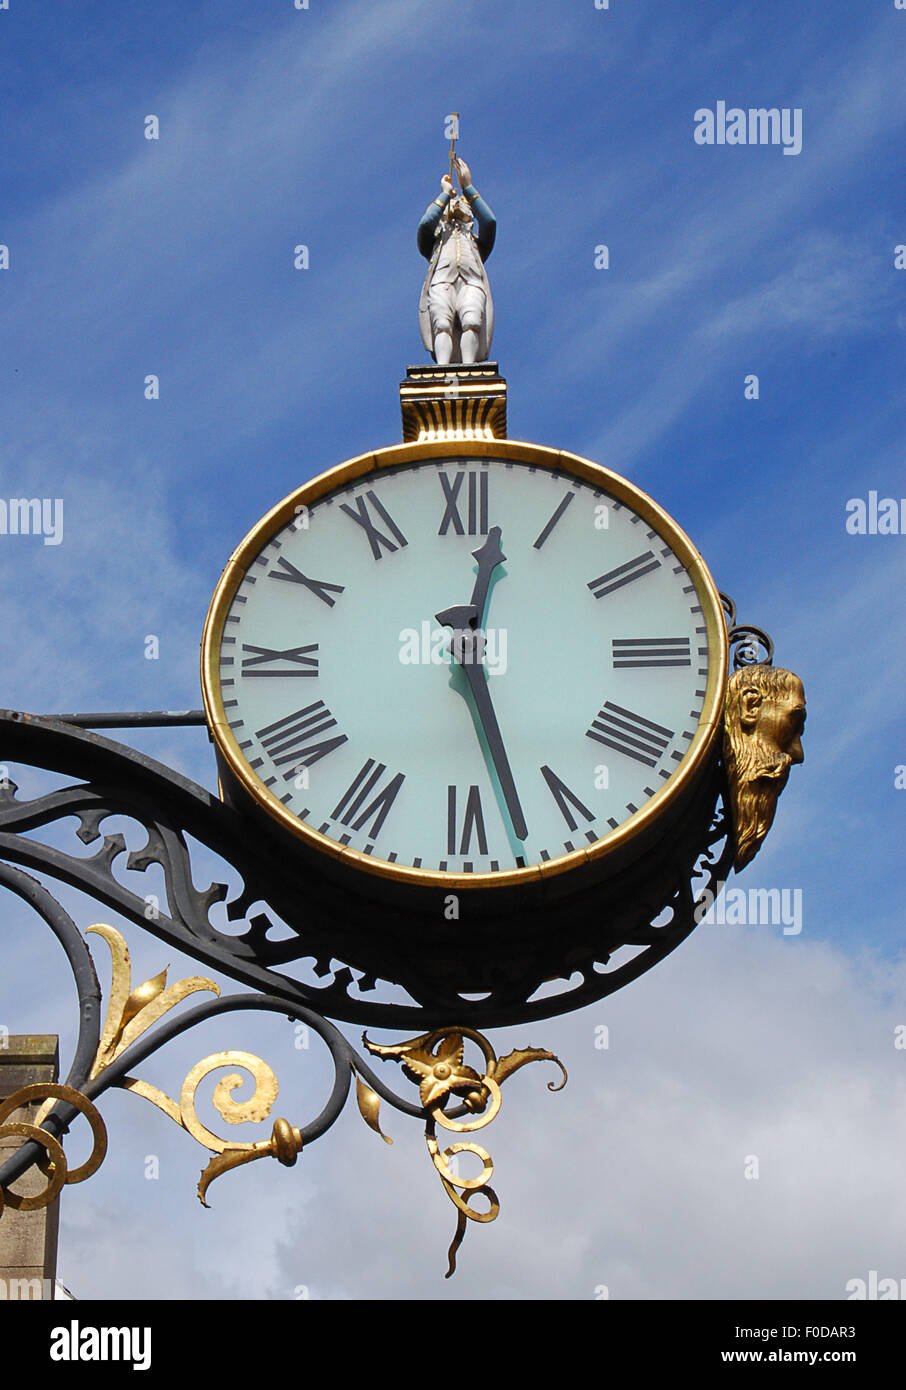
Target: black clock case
440,943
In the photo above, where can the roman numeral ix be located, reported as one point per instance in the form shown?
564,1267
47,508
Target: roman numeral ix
302,664
630,734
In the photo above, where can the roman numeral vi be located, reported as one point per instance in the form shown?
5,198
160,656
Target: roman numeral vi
473,821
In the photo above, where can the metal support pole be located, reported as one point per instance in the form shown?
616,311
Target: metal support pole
126,719
28,1239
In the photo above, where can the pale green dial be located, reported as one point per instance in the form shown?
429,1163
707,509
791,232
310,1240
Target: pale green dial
345,703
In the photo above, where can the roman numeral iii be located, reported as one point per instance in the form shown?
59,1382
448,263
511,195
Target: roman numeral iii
651,651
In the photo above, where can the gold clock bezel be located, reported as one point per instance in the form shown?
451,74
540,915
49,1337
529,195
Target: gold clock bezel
617,842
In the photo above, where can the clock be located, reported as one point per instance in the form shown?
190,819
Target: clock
481,666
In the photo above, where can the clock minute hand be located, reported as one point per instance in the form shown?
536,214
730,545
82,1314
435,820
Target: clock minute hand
478,682
468,649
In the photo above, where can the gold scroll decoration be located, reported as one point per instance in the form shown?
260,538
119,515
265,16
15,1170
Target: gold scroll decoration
131,1012
54,1165
434,1062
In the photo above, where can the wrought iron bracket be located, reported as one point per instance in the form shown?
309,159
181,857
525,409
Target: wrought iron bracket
291,917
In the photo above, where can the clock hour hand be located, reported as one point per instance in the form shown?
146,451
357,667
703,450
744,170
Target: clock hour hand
463,615
468,649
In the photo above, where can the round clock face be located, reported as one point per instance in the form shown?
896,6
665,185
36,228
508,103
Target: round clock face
475,662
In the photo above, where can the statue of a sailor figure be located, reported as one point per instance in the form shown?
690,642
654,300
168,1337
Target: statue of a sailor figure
456,235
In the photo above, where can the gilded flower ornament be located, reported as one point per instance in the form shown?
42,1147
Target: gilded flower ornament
438,1073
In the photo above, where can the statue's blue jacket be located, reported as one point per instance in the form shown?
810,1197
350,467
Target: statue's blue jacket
485,221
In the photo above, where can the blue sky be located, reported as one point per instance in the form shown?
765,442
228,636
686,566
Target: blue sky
175,257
